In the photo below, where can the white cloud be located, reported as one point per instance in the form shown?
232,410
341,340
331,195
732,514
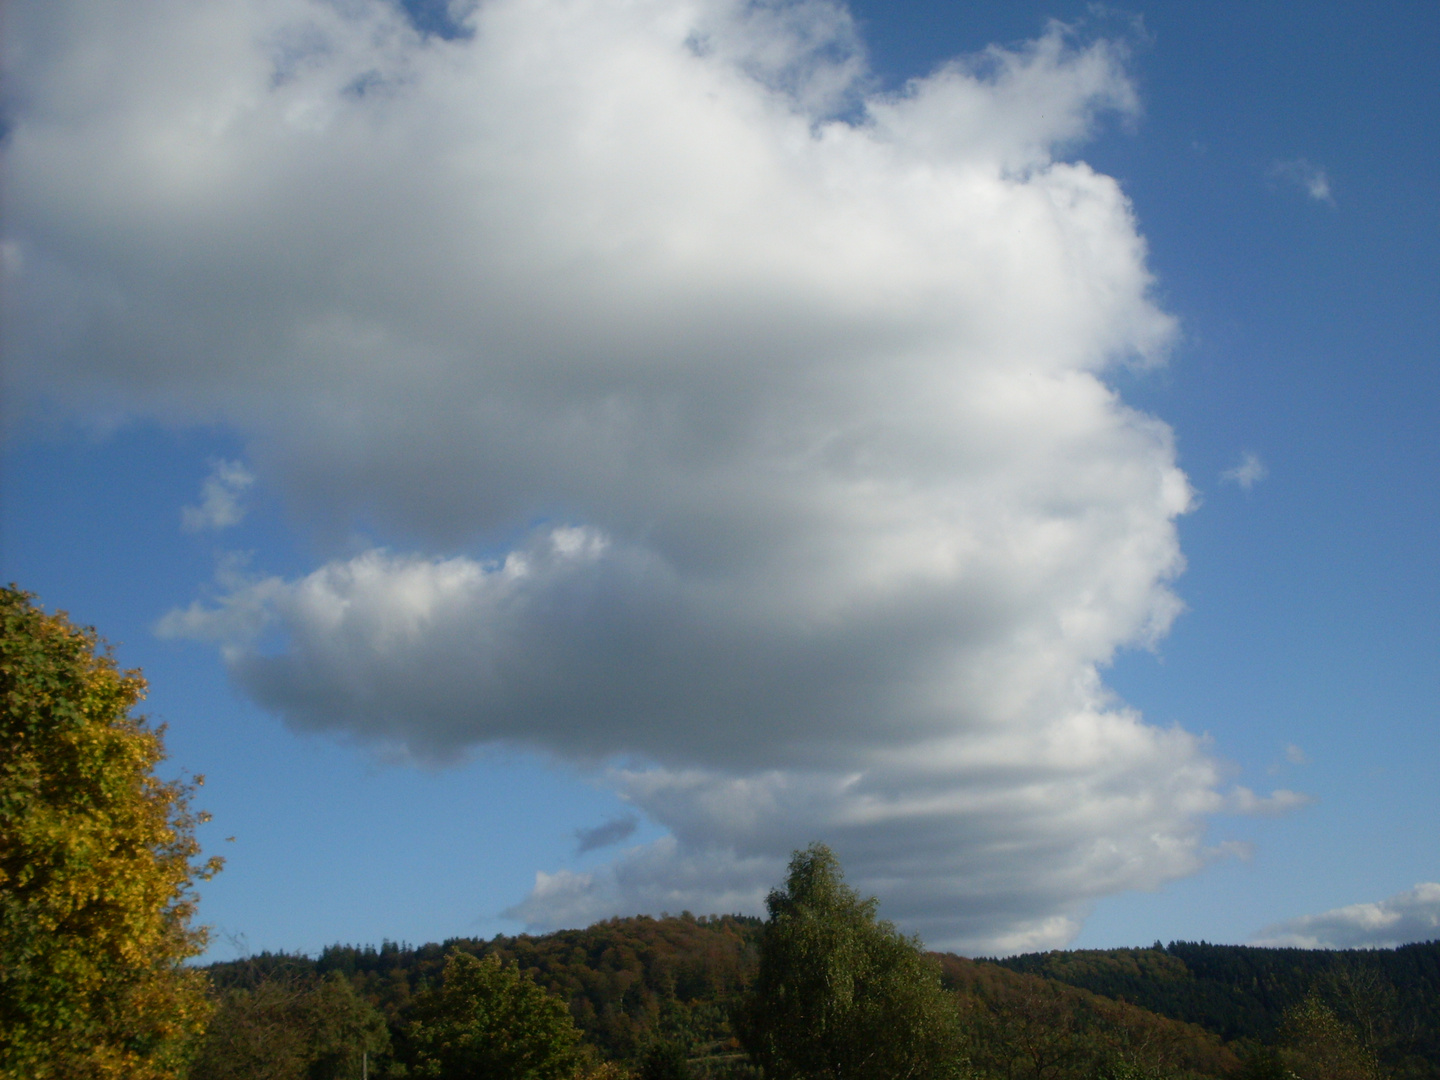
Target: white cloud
1413,915
219,498
1242,800
1296,756
743,425
1311,179
1248,473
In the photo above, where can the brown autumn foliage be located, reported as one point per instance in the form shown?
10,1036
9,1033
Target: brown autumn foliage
1024,1027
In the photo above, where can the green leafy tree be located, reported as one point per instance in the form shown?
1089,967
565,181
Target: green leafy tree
96,867
1027,1031
1315,1044
292,1029
1261,1062
489,1021
664,1059
840,994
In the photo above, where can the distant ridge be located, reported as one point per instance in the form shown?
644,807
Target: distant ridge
1197,1009
1241,991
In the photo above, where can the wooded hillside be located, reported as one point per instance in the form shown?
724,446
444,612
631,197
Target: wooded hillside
1243,992
1186,1010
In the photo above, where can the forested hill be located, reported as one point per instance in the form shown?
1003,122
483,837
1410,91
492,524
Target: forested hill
627,981
1241,991
631,982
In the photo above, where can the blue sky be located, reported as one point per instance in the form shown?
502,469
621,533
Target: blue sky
675,422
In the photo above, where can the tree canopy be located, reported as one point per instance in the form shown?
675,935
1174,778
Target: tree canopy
301,1027
96,865
489,1021
840,994
1315,1044
644,989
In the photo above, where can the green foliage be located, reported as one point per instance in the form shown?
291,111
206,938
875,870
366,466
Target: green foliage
628,982
1391,997
1260,1062
292,1028
840,993
663,1060
488,1021
1023,1027
1315,1044
633,983
96,874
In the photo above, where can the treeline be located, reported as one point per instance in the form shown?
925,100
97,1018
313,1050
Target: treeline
656,998
1244,993
628,983
1026,1027
685,997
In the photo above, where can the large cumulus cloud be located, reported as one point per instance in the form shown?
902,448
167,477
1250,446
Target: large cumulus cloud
735,427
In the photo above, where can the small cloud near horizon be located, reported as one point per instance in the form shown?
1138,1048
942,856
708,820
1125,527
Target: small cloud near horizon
1406,917
1311,179
1248,473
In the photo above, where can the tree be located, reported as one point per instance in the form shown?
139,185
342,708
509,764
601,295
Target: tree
295,1028
1315,1044
96,871
489,1021
1028,1031
839,994
664,1059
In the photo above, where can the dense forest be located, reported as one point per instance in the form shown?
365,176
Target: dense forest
629,983
1243,993
641,988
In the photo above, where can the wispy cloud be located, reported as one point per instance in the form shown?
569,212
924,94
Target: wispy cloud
614,831
1290,755
1308,178
1248,473
1241,800
220,505
1413,915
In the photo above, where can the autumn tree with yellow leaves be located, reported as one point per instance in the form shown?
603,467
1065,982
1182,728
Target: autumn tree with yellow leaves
98,860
